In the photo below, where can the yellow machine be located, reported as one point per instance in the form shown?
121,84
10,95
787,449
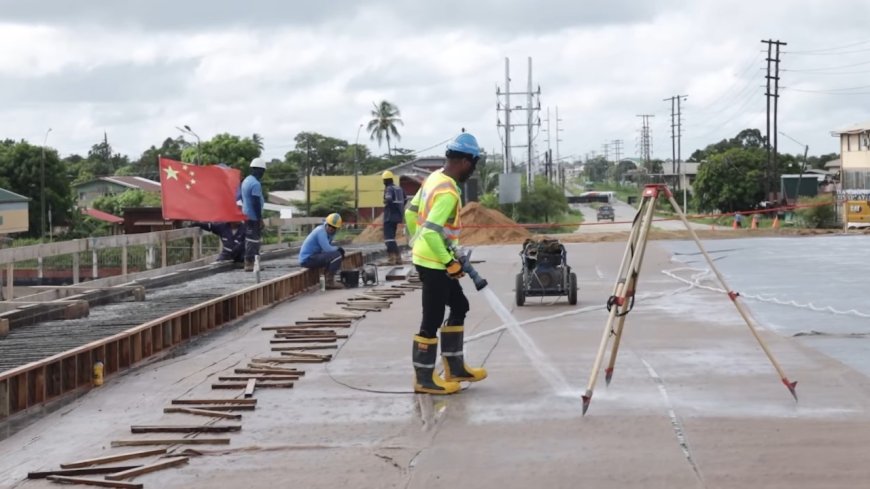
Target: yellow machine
857,213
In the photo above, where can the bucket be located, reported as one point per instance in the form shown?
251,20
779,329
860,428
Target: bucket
350,278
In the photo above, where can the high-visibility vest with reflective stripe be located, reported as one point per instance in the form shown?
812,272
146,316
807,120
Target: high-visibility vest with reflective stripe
436,184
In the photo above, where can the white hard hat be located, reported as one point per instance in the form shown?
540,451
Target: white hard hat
258,163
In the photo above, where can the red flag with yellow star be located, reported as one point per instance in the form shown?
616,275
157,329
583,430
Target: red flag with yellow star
199,193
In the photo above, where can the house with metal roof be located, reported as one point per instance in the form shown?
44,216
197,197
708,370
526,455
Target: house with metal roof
86,193
14,212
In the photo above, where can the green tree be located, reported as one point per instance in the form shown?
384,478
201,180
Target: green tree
101,161
147,166
281,175
731,181
385,118
333,200
21,168
747,138
543,203
596,169
231,150
116,203
321,155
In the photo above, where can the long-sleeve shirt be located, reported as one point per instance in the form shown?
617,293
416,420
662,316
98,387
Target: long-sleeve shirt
318,241
394,203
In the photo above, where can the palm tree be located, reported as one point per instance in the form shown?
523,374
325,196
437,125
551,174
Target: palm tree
385,117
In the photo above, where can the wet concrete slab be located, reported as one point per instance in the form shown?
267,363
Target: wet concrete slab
693,402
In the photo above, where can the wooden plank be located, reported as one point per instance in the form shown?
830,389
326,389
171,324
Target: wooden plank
266,377
147,469
249,387
344,315
201,412
302,354
94,482
260,385
113,458
171,441
301,348
214,401
75,472
269,371
286,360
306,340
185,428
219,407
301,327
323,319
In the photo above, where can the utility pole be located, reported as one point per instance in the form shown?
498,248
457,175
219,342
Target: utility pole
645,140
770,187
676,136
308,178
559,166
532,106
616,144
606,150
42,211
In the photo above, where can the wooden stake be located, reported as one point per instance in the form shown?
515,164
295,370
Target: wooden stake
303,348
201,412
307,340
260,377
185,428
76,472
171,441
165,464
94,482
303,354
288,360
113,458
269,371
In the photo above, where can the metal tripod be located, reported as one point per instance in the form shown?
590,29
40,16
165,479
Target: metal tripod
621,302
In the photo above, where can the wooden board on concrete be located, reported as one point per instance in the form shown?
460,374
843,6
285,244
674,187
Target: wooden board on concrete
249,387
171,441
113,458
260,385
147,469
201,412
94,482
218,407
185,428
214,401
78,472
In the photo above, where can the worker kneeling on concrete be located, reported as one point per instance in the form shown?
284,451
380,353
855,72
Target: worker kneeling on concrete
319,252
433,217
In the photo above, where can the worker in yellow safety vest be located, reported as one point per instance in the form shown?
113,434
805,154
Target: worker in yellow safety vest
432,218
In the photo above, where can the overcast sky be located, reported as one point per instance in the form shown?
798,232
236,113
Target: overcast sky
138,69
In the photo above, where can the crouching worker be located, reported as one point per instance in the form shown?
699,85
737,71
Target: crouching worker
319,252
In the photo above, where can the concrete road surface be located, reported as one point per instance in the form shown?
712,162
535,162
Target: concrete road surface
693,402
624,215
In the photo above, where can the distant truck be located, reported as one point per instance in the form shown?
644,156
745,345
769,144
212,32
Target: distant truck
606,212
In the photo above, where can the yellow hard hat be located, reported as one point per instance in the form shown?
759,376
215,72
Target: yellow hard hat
334,220
387,175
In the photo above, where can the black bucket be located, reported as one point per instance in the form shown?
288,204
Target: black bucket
350,278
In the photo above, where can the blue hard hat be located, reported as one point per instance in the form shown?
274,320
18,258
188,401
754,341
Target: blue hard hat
465,143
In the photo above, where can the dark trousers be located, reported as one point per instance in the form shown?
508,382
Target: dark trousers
252,240
232,243
390,236
331,261
440,291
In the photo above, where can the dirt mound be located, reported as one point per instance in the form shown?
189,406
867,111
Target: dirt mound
494,227
374,233
479,226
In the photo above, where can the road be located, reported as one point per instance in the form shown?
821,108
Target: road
624,216
693,403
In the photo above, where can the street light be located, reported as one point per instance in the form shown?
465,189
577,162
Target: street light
188,130
42,188
356,175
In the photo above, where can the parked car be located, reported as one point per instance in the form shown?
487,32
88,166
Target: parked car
606,212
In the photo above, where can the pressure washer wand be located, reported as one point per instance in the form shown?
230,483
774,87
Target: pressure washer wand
464,258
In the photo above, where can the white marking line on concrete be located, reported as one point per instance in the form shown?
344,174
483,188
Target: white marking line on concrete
675,421
598,272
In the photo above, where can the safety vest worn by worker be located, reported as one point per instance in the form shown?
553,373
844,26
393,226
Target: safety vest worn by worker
437,184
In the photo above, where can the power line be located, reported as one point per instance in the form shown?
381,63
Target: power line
808,51
827,68
748,83
841,53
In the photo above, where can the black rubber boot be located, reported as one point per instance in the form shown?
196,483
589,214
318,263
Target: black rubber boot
453,355
426,380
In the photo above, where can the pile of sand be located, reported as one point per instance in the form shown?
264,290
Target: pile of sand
479,226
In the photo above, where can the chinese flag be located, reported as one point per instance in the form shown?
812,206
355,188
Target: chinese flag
199,193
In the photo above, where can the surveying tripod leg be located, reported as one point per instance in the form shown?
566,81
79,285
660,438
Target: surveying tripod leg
735,298
619,302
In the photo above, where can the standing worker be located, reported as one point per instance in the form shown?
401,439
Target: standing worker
319,252
252,205
433,217
394,203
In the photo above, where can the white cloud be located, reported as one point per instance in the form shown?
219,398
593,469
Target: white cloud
139,73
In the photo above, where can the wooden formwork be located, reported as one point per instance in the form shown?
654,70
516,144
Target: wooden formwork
50,379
